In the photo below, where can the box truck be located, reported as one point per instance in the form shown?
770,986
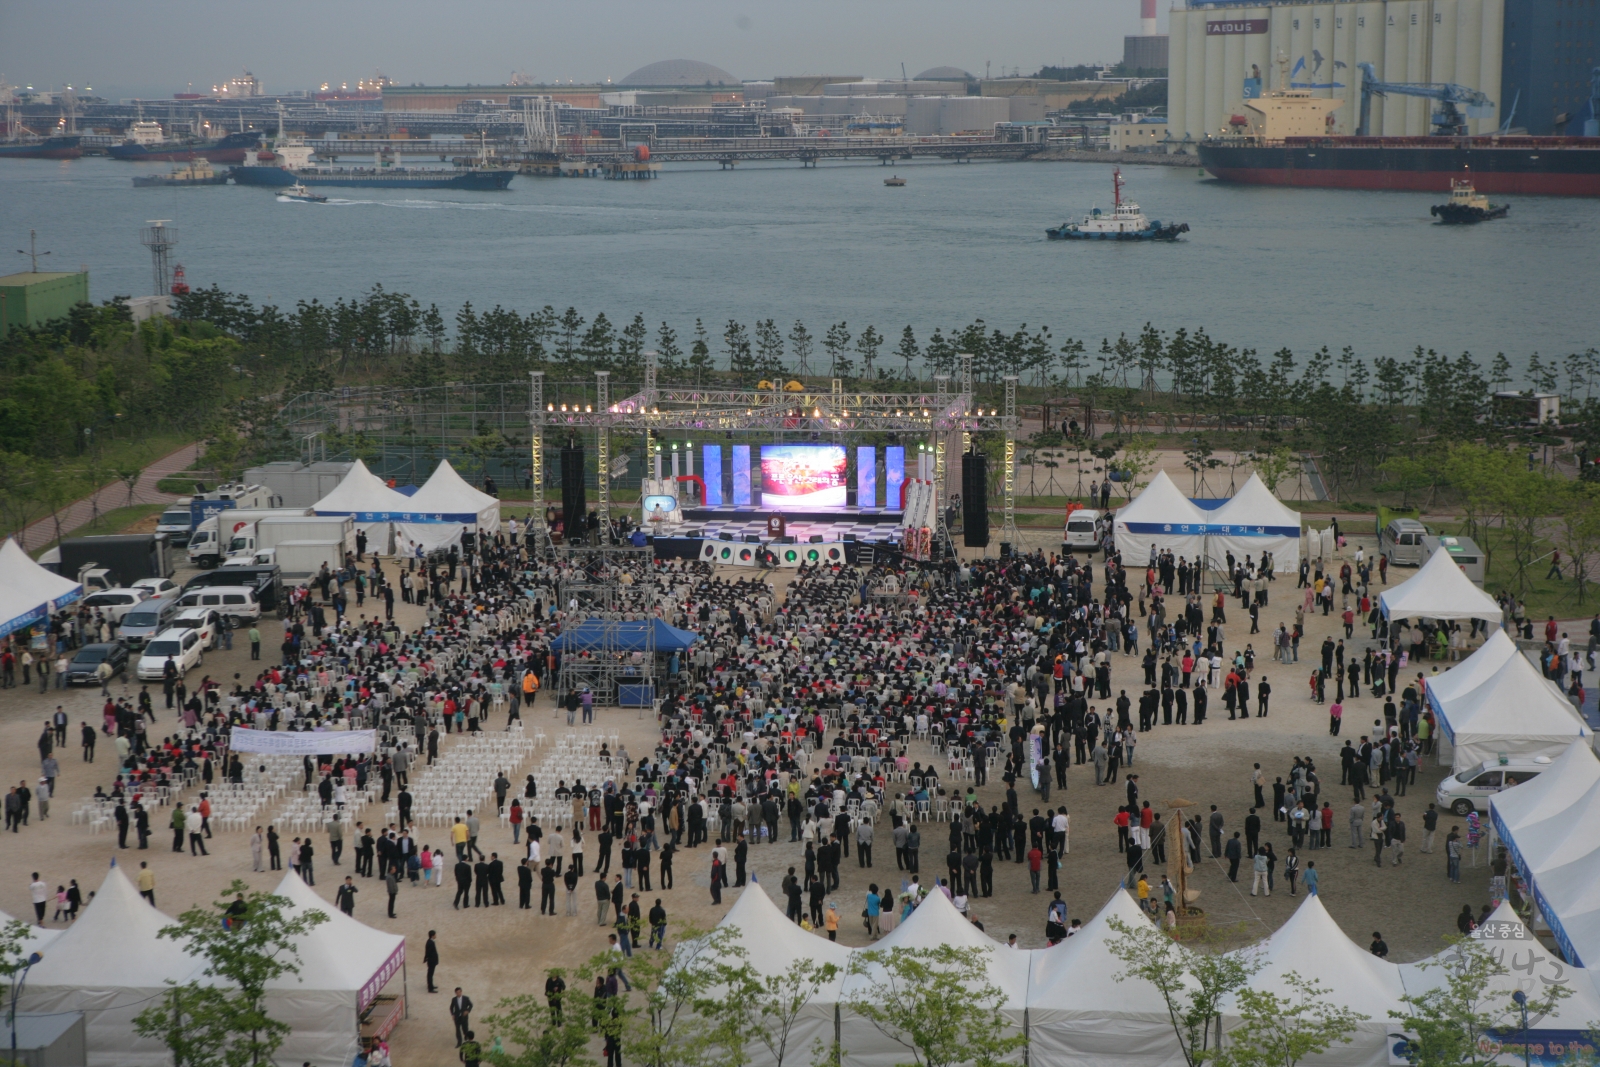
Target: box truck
301,560
213,537
270,533
111,561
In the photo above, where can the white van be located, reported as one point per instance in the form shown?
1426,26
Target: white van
184,647
1401,541
235,603
1082,530
114,603
1471,789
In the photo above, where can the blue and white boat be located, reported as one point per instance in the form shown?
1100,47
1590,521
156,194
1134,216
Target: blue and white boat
1125,223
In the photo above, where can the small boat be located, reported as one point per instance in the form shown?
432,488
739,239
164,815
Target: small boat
1125,223
298,191
895,181
1467,204
194,172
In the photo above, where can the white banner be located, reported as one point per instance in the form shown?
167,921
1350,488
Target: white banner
310,743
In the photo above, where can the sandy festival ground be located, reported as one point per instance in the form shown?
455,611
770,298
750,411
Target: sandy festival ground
498,952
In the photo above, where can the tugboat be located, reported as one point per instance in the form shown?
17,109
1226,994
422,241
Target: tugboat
195,172
896,181
298,191
1125,223
1467,204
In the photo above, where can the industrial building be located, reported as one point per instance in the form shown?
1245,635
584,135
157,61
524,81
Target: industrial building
1533,58
34,298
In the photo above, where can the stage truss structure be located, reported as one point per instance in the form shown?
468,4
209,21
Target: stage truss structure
937,416
591,591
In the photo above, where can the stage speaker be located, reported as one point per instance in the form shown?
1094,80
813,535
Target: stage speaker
730,554
975,500
574,504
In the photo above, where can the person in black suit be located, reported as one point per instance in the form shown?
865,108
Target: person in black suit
524,885
461,1013
430,956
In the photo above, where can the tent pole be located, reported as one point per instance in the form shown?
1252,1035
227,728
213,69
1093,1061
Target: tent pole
405,990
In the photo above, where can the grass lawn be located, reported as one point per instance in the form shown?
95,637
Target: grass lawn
1544,596
117,520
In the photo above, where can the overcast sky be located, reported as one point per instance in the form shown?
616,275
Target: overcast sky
157,47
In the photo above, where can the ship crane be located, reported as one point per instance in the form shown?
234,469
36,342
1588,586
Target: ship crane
1447,120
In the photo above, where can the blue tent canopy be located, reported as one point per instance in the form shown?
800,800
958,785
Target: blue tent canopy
631,636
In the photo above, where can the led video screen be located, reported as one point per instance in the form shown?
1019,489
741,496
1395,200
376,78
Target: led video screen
799,477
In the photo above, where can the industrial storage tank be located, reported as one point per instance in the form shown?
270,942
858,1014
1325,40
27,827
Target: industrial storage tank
963,114
922,115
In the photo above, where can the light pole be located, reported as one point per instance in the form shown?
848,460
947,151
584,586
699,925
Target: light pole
16,991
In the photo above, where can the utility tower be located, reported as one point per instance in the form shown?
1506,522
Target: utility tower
159,238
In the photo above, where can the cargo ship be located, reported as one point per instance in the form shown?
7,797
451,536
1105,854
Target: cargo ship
194,172
1533,166
141,147
64,147
291,164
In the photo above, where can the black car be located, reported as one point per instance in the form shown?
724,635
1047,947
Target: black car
81,671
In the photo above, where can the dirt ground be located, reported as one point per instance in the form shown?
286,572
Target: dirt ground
500,952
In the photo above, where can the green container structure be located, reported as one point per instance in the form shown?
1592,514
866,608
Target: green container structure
33,299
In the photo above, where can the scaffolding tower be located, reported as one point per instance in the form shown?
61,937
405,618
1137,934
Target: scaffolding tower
597,602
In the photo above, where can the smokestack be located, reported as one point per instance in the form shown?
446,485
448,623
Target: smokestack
1147,18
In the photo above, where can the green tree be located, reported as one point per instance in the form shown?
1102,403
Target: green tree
1138,460
867,346
1577,526
771,1004
533,1034
1446,1023
736,345
769,348
837,343
699,352
1192,985
242,959
936,1003
802,344
667,351
1275,464
570,324
196,1023
1281,1031
908,352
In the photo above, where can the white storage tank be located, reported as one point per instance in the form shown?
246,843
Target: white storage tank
922,115
962,114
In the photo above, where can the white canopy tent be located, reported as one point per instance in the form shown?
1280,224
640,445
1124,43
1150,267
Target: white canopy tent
1161,516
1079,1015
773,943
935,922
1516,711
1518,815
111,965
1439,590
1311,944
1254,521
343,965
1532,969
441,509
372,504
29,593
1472,671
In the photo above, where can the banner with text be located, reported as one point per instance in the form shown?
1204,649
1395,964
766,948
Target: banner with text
308,743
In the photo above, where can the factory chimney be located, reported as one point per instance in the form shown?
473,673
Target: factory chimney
1147,18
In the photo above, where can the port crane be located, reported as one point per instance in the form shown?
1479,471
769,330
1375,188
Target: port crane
1447,119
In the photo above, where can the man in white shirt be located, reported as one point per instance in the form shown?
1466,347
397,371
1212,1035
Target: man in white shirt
39,892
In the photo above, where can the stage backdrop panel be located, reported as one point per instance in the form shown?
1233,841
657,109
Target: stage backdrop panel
741,476
803,477
711,473
866,476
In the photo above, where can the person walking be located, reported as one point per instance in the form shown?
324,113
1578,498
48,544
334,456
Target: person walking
147,883
461,1015
1311,880
345,897
1258,880
430,956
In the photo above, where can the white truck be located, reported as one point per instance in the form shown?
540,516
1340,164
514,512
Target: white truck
301,560
213,539
341,529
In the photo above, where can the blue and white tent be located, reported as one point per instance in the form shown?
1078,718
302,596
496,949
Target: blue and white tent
28,593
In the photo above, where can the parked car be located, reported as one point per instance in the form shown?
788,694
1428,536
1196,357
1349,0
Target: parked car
235,603
182,646
147,620
114,603
1471,789
156,586
82,668
204,621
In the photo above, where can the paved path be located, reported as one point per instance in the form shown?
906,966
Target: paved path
113,495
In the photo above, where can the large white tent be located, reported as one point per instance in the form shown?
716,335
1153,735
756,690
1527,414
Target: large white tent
935,922
1517,814
1079,1015
1161,516
1516,712
773,943
111,965
442,508
1311,944
1472,671
1254,521
372,504
1439,590
343,965
29,593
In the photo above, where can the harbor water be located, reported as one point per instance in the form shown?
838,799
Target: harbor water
1261,267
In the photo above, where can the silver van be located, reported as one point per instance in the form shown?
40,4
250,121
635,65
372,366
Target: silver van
1401,541
147,619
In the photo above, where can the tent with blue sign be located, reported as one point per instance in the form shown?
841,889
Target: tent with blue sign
28,593
1161,516
373,505
438,512
592,634
1254,521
